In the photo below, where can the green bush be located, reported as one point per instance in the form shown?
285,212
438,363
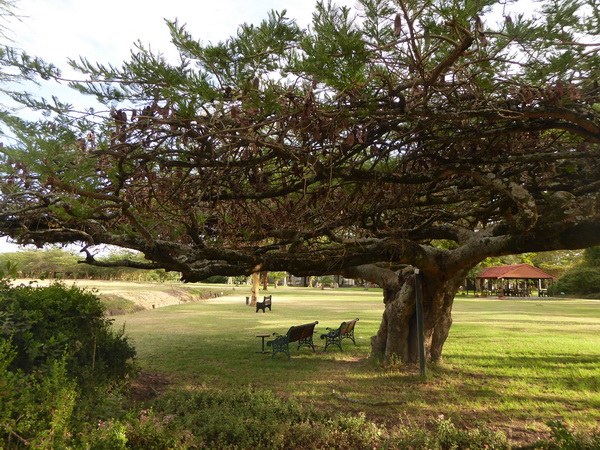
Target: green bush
581,280
49,324
442,434
563,438
247,418
35,411
217,279
60,360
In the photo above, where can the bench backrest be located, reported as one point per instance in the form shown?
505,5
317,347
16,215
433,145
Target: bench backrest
298,332
267,300
347,327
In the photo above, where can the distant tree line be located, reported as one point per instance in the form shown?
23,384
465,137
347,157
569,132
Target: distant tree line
62,264
583,278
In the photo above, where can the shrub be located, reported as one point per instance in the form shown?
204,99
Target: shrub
45,325
35,411
563,438
59,361
443,434
217,279
580,280
247,418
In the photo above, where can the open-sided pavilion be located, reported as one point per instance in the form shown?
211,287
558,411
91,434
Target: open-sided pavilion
518,280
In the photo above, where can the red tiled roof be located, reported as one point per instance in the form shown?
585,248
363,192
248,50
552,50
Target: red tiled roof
514,271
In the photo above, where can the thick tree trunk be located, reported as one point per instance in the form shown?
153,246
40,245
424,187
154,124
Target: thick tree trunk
397,338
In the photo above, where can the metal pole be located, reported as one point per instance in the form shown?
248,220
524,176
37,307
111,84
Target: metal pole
420,324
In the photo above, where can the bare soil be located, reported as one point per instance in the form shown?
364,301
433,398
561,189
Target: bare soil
147,386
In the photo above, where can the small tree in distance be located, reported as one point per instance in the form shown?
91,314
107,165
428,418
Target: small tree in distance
277,276
412,135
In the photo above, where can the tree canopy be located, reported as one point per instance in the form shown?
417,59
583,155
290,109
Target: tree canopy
429,134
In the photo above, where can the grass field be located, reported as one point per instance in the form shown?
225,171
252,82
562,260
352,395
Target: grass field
512,365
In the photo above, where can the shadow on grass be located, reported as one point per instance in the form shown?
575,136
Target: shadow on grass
534,372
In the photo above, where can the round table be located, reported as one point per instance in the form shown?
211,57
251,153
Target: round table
263,336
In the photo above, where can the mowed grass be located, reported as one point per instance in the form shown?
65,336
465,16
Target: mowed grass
510,364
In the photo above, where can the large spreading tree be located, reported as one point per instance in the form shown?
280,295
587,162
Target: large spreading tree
405,134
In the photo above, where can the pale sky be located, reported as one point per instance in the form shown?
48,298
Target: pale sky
106,31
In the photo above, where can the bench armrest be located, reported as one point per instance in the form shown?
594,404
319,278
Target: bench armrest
331,334
279,339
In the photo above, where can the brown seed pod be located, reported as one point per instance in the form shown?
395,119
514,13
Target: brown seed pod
397,25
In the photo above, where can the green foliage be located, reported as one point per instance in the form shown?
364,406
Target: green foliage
276,276
591,257
565,439
445,435
335,53
247,418
35,410
557,262
55,263
580,280
217,279
8,270
45,325
59,361
42,263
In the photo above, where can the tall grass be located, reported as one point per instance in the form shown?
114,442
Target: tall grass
511,364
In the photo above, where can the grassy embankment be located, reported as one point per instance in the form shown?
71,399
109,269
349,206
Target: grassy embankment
512,365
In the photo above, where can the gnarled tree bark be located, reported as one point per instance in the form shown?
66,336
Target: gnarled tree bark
397,339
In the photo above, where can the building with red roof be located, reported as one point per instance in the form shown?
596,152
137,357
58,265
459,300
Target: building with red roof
514,280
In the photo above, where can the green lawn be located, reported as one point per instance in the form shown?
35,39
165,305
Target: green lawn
510,364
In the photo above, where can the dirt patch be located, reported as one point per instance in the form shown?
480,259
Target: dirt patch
147,386
152,298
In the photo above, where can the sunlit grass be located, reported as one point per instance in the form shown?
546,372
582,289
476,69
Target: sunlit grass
510,363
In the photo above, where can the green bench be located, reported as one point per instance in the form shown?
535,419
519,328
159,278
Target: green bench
303,334
336,336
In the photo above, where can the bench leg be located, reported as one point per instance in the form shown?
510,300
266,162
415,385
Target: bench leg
281,349
329,341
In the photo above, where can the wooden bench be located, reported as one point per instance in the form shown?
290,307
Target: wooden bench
336,336
266,303
303,334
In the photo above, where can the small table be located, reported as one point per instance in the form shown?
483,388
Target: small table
263,336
